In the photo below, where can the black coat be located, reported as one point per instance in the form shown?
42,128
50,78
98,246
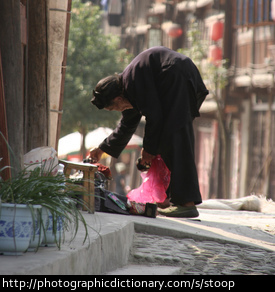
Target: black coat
166,88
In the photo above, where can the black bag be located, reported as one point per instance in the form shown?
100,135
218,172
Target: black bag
103,203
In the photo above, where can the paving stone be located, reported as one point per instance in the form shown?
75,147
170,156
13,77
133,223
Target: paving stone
202,257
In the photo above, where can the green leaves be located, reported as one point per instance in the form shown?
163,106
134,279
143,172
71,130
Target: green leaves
92,55
215,76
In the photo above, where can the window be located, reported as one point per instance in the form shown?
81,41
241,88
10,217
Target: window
239,11
154,19
154,33
263,10
267,10
252,12
154,38
259,10
244,12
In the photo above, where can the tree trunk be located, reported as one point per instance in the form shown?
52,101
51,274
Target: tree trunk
37,99
83,150
12,64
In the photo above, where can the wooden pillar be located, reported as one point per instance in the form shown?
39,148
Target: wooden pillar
228,32
4,153
64,64
268,147
12,64
37,100
245,147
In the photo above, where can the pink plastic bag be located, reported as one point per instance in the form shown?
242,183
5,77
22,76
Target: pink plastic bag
154,185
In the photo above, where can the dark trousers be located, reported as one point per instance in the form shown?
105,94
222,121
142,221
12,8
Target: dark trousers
178,154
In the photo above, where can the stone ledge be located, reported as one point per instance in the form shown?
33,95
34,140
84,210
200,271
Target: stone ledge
108,250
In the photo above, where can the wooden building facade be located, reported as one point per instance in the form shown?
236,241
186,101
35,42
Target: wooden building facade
34,36
252,89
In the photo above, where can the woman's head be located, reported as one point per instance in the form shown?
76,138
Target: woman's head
106,90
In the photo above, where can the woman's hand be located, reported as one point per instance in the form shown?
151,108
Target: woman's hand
95,154
146,158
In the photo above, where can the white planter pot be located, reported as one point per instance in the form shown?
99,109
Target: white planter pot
37,238
15,228
52,238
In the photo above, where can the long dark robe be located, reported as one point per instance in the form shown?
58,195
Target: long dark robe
165,87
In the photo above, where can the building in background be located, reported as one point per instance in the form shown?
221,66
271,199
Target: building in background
252,90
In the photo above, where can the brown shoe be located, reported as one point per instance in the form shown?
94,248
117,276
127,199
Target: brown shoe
164,204
179,211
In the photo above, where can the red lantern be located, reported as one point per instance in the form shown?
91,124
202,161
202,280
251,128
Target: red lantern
217,31
215,54
174,31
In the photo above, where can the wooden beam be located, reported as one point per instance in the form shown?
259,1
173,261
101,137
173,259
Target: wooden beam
37,100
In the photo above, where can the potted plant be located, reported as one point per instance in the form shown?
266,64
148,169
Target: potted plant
34,191
58,196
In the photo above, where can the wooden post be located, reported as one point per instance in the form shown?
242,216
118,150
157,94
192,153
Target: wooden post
268,148
37,103
64,64
4,153
12,65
